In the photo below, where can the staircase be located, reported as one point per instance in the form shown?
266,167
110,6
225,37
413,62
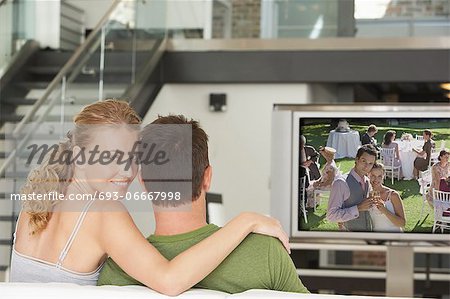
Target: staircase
31,78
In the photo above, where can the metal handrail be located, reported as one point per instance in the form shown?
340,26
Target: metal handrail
63,72
56,81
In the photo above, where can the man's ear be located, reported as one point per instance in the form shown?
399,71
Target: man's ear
207,175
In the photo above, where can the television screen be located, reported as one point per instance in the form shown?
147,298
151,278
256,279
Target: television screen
362,171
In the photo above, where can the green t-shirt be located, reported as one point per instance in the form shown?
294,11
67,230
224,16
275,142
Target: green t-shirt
259,262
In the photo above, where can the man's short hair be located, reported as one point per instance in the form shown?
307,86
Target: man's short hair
177,145
372,128
366,148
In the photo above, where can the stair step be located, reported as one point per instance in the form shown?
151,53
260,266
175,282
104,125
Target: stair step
53,70
5,242
11,117
33,85
16,174
19,101
7,218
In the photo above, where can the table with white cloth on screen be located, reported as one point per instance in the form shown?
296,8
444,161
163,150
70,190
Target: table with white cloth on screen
346,144
407,156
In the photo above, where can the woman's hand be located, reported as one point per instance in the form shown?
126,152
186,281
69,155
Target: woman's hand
380,206
269,226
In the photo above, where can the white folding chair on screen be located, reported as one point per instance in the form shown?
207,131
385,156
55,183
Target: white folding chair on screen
302,199
441,202
419,137
388,159
424,183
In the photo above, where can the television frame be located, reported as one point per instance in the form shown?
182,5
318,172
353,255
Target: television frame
284,165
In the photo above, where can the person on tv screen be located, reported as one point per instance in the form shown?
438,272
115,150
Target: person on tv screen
388,142
388,214
369,136
349,203
329,172
308,158
440,173
422,162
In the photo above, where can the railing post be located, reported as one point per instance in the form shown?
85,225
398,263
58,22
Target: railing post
102,64
63,100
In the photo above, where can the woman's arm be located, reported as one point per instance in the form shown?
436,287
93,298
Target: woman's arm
124,243
435,179
397,151
398,219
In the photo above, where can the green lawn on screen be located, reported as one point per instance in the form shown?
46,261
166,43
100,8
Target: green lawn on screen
317,134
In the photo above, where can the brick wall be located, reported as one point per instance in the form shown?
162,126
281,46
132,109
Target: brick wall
369,258
418,8
245,19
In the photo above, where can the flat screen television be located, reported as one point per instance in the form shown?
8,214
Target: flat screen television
342,127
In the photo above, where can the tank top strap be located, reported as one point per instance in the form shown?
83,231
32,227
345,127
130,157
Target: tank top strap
74,233
15,229
388,198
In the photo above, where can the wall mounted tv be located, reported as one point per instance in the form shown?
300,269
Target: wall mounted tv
334,211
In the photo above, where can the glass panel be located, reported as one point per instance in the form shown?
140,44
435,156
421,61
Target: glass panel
16,26
383,18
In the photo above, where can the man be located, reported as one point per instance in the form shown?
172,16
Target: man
308,158
259,262
348,204
368,137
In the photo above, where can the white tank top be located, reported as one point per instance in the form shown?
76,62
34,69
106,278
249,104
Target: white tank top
381,222
29,269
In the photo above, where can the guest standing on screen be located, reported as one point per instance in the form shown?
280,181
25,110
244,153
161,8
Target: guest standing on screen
309,158
368,137
423,160
349,203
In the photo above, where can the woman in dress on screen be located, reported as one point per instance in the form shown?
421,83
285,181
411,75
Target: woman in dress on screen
387,212
328,174
439,171
68,241
423,160
388,142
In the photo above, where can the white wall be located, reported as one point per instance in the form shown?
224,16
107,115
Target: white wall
239,145
152,14
93,9
5,35
47,23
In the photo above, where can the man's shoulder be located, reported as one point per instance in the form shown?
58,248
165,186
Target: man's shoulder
341,178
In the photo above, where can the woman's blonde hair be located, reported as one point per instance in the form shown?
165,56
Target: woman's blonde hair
55,177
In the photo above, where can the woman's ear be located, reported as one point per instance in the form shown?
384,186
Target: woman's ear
78,157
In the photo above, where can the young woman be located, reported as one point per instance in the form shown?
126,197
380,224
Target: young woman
423,160
439,171
329,172
69,240
389,142
387,213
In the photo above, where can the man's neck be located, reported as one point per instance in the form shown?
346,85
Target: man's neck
361,175
186,219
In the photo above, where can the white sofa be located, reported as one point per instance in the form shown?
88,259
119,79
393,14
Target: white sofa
72,291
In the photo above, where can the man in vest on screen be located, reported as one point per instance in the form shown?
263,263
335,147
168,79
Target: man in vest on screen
349,204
